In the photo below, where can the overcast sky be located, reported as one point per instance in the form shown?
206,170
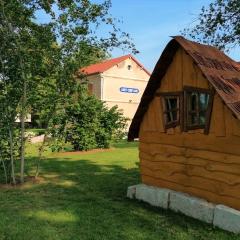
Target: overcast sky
152,22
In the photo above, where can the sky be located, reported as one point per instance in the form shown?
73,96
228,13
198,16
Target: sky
150,23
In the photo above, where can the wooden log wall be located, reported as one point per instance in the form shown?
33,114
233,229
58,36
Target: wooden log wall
206,166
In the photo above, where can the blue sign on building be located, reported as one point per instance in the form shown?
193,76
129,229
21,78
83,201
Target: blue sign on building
129,90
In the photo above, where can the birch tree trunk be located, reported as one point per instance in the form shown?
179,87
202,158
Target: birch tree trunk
4,169
42,147
40,153
11,154
22,119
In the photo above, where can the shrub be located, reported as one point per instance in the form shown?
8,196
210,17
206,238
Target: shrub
88,124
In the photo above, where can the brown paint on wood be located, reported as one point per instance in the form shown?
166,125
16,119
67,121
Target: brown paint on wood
206,194
211,166
190,170
164,84
199,170
151,120
228,121
143,127
148,121
199,141
219,117
189,78
178,130
212,120
209,112
170,75
193,176
170,131
235,126
158,114
179,70
201,80
164,150
174,73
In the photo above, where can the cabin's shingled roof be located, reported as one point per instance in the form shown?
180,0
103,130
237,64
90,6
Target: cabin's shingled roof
220,70
103,66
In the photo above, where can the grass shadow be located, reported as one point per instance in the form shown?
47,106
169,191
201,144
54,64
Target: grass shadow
84,197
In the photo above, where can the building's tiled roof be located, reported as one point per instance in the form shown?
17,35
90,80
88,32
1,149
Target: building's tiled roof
221,71
103,66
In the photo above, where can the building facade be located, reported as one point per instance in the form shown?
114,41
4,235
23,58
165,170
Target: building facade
119,81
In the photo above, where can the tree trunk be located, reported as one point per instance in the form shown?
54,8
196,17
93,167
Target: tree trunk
40,153
41,148
22,119
5,170
11,155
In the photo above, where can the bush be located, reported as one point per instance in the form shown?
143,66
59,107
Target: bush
88,124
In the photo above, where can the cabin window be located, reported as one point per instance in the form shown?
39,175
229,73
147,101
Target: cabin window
129,67
171,107
196,108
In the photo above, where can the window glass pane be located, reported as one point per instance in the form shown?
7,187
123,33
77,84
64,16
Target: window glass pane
202,118
193,119
172,116
169,117
193,101
171,103
197,104
203,101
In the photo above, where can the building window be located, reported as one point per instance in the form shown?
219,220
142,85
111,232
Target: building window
197,104
171,109
90,88
129,67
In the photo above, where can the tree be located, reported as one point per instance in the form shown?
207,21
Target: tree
39,61
218,25
22,44
48,87
76,30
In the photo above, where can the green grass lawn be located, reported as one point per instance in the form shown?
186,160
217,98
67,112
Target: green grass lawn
84,197
37,131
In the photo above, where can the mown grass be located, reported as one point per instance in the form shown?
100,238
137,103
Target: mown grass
83,197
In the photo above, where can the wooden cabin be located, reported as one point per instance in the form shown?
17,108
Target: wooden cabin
188,123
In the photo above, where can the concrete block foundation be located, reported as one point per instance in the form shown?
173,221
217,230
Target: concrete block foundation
191,206
219,215
157,197
227,218
131,192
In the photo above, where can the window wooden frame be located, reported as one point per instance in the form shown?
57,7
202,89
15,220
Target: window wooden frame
164,97
206,125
